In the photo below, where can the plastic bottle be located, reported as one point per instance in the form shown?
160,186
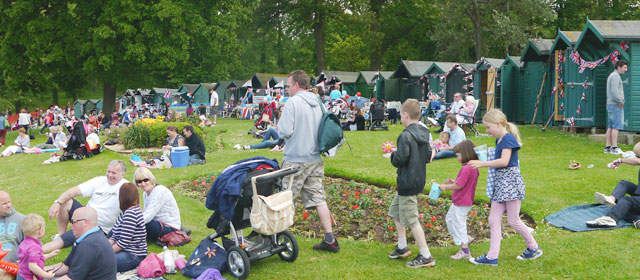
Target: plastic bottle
169,262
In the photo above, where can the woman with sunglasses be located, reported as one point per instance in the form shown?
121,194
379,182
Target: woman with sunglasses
161,213
128,237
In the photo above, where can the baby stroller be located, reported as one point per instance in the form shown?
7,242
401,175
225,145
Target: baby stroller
77,147
232,197
377,116
264,116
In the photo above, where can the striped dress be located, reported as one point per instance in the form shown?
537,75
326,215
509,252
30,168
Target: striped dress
130,233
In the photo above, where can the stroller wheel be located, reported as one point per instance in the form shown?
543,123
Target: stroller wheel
238,262
287,239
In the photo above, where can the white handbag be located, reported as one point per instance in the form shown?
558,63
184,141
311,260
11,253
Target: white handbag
272,214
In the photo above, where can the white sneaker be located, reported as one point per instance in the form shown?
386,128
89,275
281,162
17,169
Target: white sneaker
247,147
607,200
237,147
602,222
607,150
616,151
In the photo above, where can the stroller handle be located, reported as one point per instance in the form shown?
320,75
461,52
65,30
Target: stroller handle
275,174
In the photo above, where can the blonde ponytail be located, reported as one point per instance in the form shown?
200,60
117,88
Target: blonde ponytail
513,129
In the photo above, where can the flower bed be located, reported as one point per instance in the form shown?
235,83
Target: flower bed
359,212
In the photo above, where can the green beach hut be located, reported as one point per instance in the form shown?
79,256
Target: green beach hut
511,80
537,79
563,44
485,83
409,85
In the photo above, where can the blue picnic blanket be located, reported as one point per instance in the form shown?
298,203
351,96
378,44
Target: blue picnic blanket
574,218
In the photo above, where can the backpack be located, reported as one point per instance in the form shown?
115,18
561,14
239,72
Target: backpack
208,254
330,131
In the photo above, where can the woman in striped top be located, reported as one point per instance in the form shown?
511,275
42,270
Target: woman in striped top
128,237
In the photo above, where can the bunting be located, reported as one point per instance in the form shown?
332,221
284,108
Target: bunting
583,65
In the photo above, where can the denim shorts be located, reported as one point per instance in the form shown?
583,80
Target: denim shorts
615,116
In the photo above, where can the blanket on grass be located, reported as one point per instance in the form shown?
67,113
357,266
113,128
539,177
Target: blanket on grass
574,218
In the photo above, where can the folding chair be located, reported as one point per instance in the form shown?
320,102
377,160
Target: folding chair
470,121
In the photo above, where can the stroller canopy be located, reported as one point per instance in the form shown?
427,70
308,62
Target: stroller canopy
227,187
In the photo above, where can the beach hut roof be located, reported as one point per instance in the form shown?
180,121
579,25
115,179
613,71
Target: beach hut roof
536,48
615,30
565,39
441,67
513,59
411,69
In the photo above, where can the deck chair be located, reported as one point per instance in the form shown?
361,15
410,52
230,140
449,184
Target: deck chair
465,121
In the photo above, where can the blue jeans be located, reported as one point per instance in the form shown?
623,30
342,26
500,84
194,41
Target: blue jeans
444,154
265,144
126,261
193,159
271,133
155,230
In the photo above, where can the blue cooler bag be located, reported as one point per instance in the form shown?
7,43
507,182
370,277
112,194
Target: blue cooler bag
209,254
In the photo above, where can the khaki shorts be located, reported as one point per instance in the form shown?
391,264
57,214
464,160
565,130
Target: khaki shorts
307,182
404,209
213,110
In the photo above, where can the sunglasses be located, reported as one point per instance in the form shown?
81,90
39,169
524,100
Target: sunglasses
143,180
72,221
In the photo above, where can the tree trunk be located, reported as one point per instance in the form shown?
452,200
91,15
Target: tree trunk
475,18
54,97
375,60
108,98
318,34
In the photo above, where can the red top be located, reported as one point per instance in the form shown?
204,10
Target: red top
468,179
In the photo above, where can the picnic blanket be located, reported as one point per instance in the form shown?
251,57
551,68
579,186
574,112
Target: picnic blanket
574,218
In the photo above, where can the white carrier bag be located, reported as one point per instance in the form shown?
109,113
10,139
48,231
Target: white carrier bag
272,214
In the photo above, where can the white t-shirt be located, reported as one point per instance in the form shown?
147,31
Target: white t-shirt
455,107
24,118
104,199
161,206
214,99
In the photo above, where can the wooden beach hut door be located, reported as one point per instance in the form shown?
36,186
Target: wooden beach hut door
487,88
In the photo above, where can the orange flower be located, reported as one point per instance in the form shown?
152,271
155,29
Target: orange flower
357,197
474,213
346,193
429,224
357,192
390,228
426,204
355,206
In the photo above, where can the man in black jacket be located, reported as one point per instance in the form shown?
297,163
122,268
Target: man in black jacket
196,146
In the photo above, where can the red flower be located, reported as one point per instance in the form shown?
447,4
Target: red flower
357,192
486,205
378,212
390,228
357,197
429,224
426,204
355,206
213,177
433,219
194,181
474,213
305,215
345,200
346,193
395,187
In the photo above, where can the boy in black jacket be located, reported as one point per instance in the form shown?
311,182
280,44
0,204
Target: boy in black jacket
410,158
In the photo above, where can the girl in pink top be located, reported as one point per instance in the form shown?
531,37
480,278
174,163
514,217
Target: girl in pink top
464,190
30,256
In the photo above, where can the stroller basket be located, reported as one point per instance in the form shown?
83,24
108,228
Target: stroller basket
274,213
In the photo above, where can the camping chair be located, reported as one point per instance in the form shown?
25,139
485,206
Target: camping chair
470,121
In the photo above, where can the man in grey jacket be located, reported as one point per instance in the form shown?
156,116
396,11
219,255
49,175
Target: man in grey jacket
298,126
10,228
615,108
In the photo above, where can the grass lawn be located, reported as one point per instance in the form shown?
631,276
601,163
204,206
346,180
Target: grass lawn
544,157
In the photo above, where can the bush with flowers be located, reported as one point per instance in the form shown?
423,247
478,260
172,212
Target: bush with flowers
359,212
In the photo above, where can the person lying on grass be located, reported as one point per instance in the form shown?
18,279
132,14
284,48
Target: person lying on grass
621,205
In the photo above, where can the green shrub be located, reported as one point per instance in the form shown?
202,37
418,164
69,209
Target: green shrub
194,120
140,136
137,136
115,133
